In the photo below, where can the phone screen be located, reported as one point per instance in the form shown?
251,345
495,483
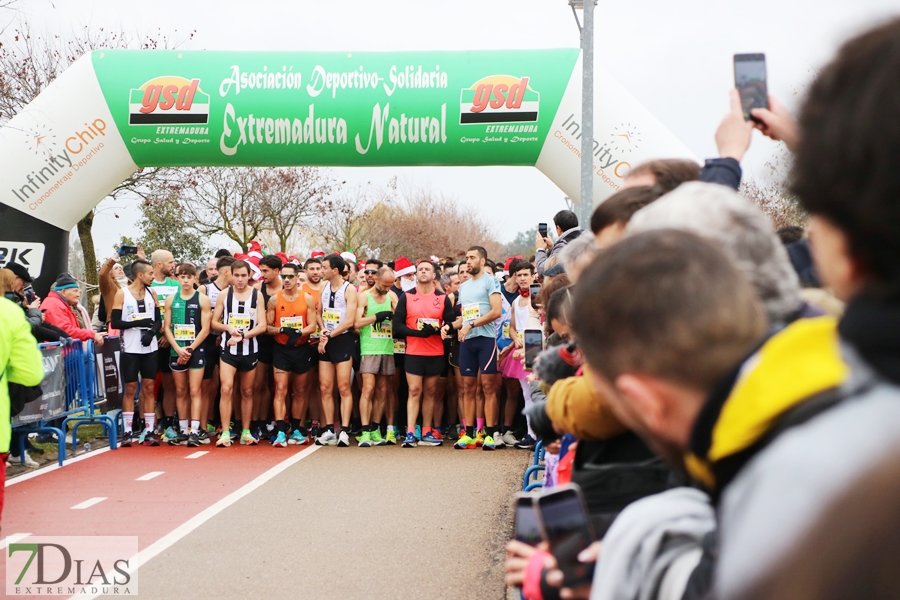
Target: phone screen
568,532
534,289
528,526
750,81
534,343
30,296
542,229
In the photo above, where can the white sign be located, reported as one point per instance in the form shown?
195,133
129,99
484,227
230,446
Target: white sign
28,254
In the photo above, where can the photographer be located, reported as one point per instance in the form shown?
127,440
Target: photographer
566,230
12,283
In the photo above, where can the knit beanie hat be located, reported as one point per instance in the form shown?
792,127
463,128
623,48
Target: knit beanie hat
65,281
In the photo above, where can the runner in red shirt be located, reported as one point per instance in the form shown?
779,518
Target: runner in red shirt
420,314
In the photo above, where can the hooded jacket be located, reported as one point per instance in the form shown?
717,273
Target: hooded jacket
20,361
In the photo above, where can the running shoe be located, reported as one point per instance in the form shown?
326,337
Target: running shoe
509,438
391,438
224,440
498,439
170,434
180,438
356,427
193,440
437,434
410,441
526,443
127,439
479,438
210,429
365,440
377,440
465,443
203,437
418,431
343,439
460,431
488,443
248,439
327,439
297,438
280,440
429,439
148,438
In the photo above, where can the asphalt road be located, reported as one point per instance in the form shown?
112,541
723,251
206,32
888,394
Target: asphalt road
355,523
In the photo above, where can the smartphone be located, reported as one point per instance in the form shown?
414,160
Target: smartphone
750,81
528,526
126,250
534,289
534,344
30,296
542,229
567,529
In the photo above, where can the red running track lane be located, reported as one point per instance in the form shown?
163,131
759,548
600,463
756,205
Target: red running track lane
147,509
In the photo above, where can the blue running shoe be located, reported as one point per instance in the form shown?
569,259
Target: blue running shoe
429,440
410,441
297,438
418,431
280,440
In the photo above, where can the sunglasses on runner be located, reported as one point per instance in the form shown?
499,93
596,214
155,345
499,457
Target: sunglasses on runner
370,272
287,276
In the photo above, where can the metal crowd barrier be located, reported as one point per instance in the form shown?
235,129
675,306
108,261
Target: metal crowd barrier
83,393
536,467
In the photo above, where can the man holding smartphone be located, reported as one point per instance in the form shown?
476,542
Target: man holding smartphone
567,229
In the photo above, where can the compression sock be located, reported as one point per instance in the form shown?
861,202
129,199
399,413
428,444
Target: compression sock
470,431
128,417
479,424
183,425
149,421
295,424
283,426
195,426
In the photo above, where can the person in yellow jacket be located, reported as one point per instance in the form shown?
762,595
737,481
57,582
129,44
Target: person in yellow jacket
20,362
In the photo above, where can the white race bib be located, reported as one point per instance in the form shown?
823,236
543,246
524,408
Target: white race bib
239,320
382,331
422,321
292,322
332,318
399,347
184,333
140,316
506,330
471,312
163,292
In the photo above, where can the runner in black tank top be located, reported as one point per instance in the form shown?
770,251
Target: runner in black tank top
270,269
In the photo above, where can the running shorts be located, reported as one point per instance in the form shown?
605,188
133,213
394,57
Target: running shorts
212,350
196,361
266,347
339,349
162,363
294,359
425,366
478,355
378,364
139,364
242,363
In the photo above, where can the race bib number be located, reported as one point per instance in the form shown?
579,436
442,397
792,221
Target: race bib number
471,312
292,322
317,334
506,330
184,333
421,322
140,316
332,318
399,347
239,320
382,331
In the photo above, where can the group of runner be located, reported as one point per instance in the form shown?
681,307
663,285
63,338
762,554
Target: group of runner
343,342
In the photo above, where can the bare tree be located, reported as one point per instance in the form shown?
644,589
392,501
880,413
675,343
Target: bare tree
226,200
292,196
342,222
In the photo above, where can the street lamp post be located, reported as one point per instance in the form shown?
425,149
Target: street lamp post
587,107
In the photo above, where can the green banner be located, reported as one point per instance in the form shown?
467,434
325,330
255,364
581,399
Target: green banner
175,108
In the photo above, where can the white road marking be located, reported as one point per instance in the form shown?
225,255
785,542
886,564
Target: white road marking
12,539
197,454
89,503
196,521
149,475
54,467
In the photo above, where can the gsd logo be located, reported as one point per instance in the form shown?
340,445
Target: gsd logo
168,100
499,99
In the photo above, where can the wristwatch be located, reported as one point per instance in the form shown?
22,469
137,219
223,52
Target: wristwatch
189,350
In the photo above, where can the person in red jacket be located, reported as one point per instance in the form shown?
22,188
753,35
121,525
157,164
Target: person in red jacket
60,308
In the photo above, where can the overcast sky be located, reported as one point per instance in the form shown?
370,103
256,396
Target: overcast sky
674,57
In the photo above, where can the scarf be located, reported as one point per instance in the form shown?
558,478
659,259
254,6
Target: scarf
872,327
525,293
122,281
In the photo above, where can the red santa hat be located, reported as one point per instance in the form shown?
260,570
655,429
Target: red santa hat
284,257
510,260
348,256
254,250
317,254
402,267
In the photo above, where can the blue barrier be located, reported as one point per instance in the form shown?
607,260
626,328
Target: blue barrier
86,385
535,468
41,426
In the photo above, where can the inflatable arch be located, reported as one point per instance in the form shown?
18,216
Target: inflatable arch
113,111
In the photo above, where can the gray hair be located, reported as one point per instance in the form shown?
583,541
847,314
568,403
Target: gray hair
718,213
580,246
